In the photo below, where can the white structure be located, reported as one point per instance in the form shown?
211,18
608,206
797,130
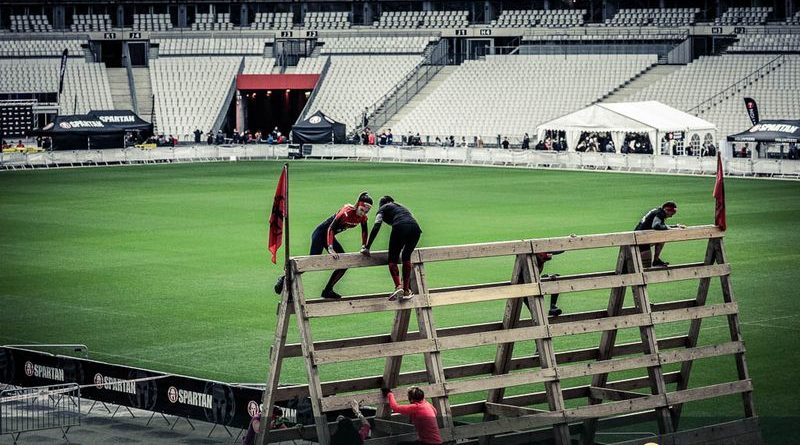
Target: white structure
211,46
652,118
190,91
423,19
355,82
665,17
152,22
326,20
751,16
40,48
272,20
375,45
311,65
258,65
90,22
211,22
551,18
510,95
30,23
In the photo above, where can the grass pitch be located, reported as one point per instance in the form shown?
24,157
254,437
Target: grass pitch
166,267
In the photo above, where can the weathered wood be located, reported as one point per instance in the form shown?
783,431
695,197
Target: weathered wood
687,234
566,284
392,427
603,324
374,351
276,354
499,409
701,352
606,366
646,402
613,394
375,398
686,272
710,392
744,431
547,355
314,382
391,370
583,242
501,381
506,424
694,313
472,251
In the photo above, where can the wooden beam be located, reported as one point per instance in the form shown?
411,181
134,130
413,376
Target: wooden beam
603,324
687,234
606,366
499,409
614,395
583,242
685,272
692,313
374,351
701,352
579,284
710,392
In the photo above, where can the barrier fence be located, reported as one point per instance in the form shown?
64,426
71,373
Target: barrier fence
563,410
24,410
692,165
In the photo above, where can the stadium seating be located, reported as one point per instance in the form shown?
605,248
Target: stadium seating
310,65
510,95
86,82
766,43
793,20
744,16
190,91
423,19
667,17
187,46
375,45
772,93
326,20
355,82
701,79
258,65
554,18
30,23
152,22
211,22
90,23
40,48
273,20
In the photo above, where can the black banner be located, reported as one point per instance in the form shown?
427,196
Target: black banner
752,109
62,71
204,400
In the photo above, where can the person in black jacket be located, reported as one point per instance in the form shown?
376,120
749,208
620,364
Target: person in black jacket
404,238
656,219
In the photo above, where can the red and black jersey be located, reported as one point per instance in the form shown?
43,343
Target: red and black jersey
346,218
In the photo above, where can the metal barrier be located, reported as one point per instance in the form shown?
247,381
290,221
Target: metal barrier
24,410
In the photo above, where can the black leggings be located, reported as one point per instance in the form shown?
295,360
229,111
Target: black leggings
404,238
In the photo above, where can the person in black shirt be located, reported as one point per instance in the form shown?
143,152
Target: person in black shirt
197,134
404,238
656,219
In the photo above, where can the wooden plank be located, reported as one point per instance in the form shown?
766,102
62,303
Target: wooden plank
391,369
392,427
743,431
499,409
583,242
710,392
276,353
307,340
613,394
644,403
312,263
374,351
481,295
701,352
604,324
507,424
687,234
566,284
692,313
491,338
606,366
374,397
471,251
501,381
685,272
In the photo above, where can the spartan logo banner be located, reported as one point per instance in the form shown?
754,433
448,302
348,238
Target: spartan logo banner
752,110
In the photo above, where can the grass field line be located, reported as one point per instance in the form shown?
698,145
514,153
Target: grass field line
61,305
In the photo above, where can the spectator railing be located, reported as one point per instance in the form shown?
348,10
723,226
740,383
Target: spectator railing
399,95
723,94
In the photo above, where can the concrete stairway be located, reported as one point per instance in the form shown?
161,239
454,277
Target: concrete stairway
144,92
120,90
649,77
431,86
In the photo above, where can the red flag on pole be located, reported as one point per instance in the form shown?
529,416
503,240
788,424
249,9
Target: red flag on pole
278,215
719,195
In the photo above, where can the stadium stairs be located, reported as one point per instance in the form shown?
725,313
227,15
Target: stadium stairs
653,74
144,92
120,90
430,87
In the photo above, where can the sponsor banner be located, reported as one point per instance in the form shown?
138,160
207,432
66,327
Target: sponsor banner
204,400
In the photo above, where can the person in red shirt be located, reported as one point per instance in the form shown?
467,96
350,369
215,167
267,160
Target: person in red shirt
421,413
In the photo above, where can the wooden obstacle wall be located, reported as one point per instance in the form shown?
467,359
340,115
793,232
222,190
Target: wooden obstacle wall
513,419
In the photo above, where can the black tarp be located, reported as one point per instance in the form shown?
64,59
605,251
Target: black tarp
318,129
96,129
770,131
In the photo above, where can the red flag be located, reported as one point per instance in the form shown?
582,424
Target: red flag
719,195
278,215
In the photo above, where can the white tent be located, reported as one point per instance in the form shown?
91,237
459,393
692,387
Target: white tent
653,118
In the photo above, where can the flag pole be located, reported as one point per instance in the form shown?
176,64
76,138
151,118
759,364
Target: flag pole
288,282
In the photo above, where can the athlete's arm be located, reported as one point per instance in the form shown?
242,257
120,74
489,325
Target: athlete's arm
375,229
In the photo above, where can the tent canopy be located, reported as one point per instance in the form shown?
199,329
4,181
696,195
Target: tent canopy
100,129
770,131
651,117
318,129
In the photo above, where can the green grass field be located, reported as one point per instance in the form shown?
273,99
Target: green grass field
166,267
